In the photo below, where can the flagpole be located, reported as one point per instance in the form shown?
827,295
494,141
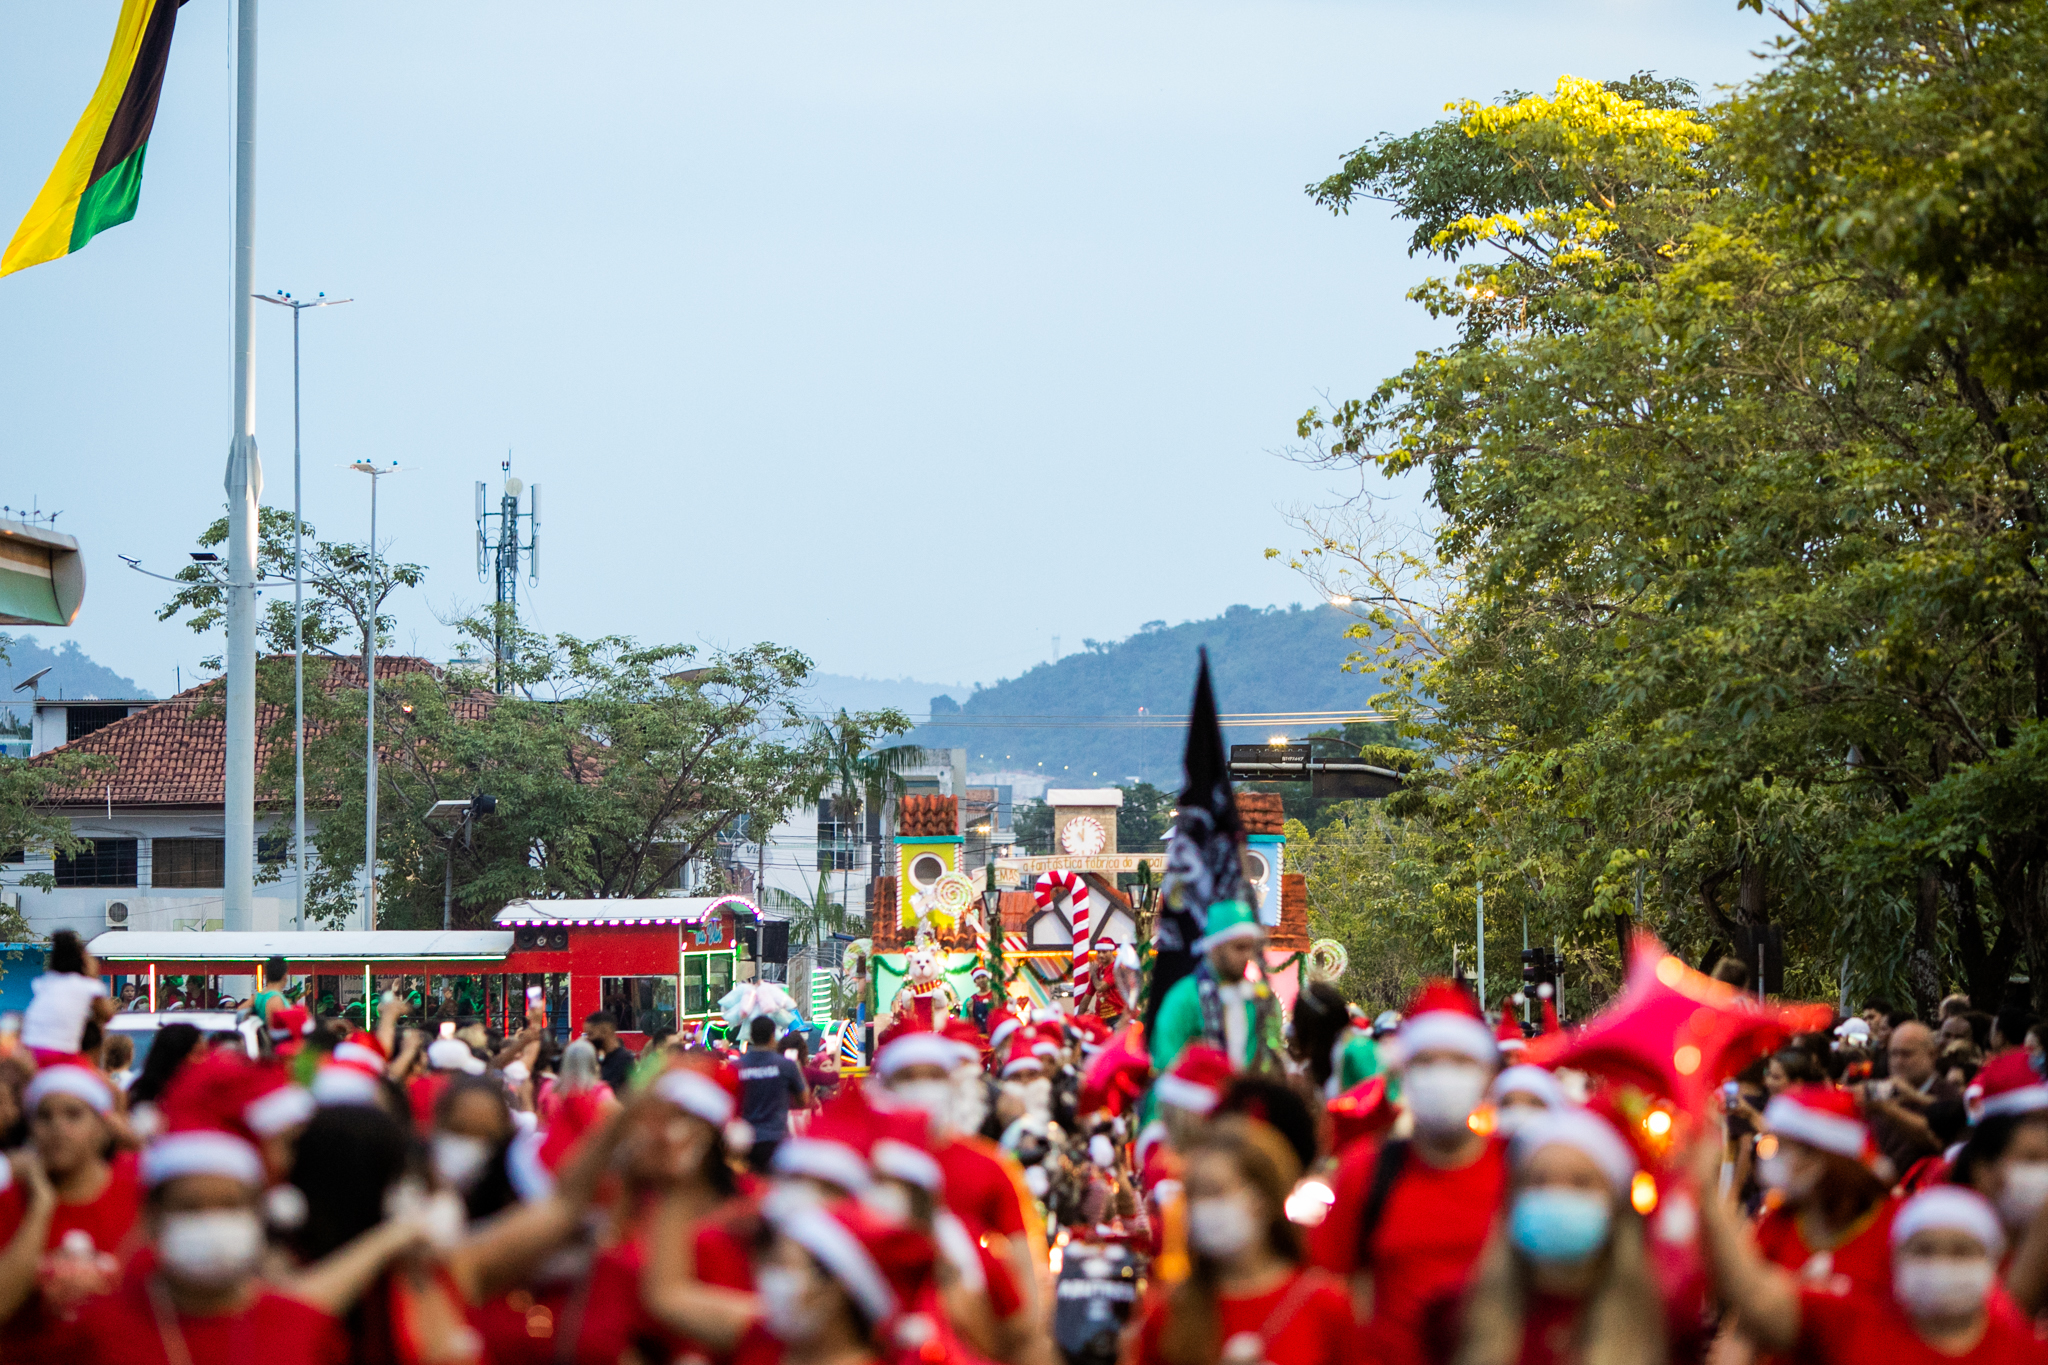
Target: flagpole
244,484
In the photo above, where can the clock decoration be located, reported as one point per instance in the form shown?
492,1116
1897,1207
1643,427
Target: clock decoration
1083,835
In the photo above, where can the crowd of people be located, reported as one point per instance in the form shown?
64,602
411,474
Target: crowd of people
1017,1183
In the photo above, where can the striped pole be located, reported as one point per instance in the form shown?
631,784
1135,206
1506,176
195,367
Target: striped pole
1049,888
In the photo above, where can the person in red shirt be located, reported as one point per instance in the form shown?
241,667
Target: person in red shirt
1409,1217
68,1210
1943,1309
1832,1216
194,1294
1247,1296
1569,1276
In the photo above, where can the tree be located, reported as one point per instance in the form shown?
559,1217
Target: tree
1142,820
27,822
342,593
1733,602
813,919
613,763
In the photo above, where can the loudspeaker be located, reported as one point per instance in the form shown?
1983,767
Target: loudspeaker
774,940
540,939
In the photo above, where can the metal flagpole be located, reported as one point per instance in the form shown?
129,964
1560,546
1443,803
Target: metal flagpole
370,695
244,484
1482,945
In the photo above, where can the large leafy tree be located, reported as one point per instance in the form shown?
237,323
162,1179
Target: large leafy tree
1730,605
613,765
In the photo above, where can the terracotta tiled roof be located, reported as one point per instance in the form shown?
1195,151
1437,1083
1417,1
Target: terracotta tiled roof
1261,812
172,755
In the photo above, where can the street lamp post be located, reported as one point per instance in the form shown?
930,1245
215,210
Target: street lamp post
297,306
376,473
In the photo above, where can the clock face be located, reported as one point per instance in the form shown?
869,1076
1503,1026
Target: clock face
1083,835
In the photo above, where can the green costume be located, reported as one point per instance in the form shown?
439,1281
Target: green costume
1242,1019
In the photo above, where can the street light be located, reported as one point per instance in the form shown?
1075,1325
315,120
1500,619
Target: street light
465,815
376,473
284,300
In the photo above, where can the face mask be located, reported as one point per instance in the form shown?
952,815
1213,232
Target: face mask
1562,1227
784,1311
1036,1096
460,1159
1927,1287
1442,1095
2025,1190
1220,1227
1774,1172
934,1097
970,1102
214,1249
1510,1119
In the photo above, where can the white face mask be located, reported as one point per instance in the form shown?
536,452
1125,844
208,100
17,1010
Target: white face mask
970,1102
1442,1095
460,1159
2024,1191
934,1097
1221,1227
1036,1096
784,1311
1940,1287
1774,1172
214,1248
1509,1118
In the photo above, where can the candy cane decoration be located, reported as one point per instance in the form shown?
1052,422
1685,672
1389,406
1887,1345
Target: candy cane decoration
1050,886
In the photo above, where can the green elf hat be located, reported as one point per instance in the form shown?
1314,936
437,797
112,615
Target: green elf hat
1231,919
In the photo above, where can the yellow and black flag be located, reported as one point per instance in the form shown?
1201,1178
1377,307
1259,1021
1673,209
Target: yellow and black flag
98,179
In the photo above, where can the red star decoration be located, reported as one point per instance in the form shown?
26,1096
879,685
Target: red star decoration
1674,1032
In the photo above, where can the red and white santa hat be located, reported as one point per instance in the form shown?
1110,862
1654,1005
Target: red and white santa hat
204,1126
1020,1057
1196,1080
833,1148
1442,1018
2008,1084
1954,1208
881,1264
1529,1080
354,1073
1583,1131
1507,1035
919,1047
1002,1024
1822,1117
706,1095
69,1078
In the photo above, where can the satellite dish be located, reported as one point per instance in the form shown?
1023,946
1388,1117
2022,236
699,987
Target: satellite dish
513,488
28,684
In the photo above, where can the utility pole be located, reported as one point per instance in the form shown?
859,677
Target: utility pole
244,483
376,473
499,547
298,609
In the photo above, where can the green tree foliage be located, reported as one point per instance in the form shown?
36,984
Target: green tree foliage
343,594
1733,588
613,764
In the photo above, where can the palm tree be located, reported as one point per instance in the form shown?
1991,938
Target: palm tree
859,774
811,922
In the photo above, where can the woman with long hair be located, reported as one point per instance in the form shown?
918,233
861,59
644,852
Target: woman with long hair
1248,1295
1567,1275
1831,1211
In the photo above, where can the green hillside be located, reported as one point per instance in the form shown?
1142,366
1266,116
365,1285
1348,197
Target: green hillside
1275,659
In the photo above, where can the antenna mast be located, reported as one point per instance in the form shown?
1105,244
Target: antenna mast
497,553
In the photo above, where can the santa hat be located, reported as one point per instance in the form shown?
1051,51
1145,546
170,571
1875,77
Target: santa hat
918,1047
1362,1111
1092,1031
1021,1057
1507,1036
1047,1038
882,1265
570,1117
1953,1208
963,1032
69,1078
452,1054
1821,1117
289,1026
1117,1073
271,1103
1196,1080
252,1100
353,1073
204,1127
1229,921
899,1147
2008,1084
1002,1024
832,1149
1529,1080
710,1096
1584,1132
1442,1018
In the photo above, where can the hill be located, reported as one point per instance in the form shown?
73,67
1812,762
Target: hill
72,674
1067,713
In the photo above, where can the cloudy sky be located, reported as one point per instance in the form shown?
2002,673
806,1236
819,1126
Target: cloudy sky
910,334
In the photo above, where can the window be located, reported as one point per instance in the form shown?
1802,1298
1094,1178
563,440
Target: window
80,721
187,863
108,862
273,846
706,979
838,840
640,1003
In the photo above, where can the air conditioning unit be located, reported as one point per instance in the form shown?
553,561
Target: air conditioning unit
117,914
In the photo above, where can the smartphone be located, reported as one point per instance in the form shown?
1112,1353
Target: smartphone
1731,1094
534,995
447,1028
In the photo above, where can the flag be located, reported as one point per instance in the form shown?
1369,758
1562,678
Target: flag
98,178
1205,856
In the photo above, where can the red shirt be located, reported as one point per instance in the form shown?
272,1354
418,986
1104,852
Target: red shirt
1864,1256
986,1188
1430,1233
273,1330
614,1319
1304,1320
1849,1326
108,1220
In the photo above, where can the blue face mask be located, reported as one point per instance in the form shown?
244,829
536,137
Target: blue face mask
1559,1225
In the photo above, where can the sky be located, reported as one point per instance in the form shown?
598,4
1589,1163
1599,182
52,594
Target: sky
912,335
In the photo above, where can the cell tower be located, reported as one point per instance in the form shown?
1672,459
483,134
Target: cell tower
498,550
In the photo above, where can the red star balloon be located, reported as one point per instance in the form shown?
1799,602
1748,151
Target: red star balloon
1117,1074
1673,1032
